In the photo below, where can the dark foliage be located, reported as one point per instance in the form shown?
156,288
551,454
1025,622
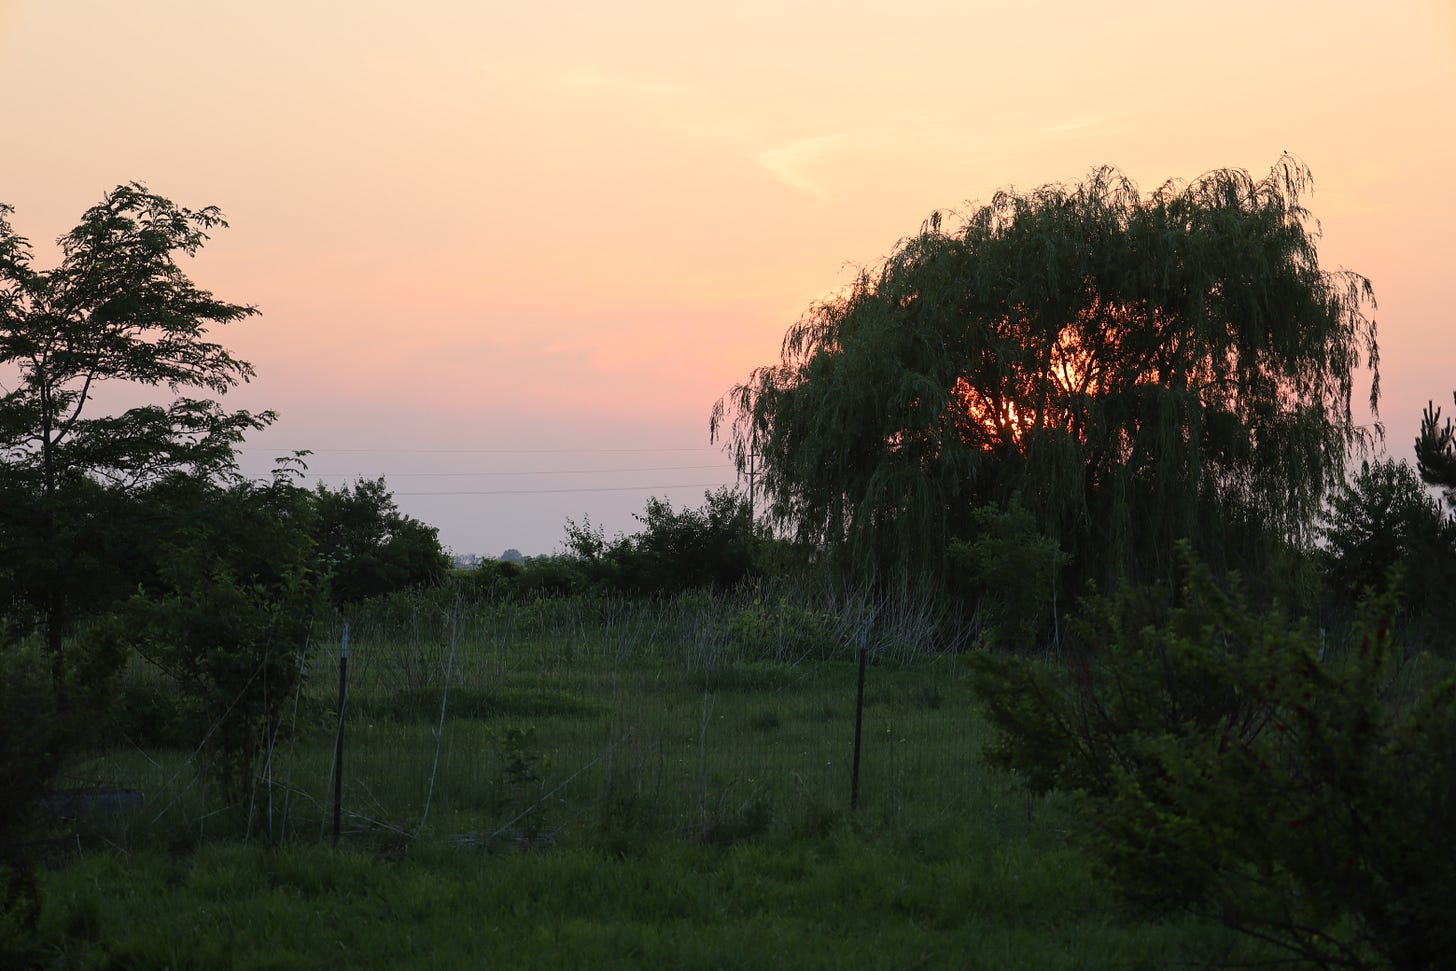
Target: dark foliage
78,515
1381,526
118,309
369,547
1233,767
1133,370
38,735
1376,522
1006,576
228,616
707,548
1436,453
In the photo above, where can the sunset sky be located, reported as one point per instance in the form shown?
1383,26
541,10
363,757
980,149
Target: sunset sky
534,242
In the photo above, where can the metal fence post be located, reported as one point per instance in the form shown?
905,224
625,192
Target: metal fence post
339,735
858,719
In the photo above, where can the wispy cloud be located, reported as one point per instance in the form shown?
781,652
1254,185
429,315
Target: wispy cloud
795,163
809,163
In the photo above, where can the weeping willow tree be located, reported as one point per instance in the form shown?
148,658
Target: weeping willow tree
1133,370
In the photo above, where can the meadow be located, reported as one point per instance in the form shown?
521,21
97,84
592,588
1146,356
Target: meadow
598,782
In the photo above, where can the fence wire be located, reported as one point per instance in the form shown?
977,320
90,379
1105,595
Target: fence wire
527,722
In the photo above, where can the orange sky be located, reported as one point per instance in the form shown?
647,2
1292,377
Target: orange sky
571,226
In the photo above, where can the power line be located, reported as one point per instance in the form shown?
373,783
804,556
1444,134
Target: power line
400,475
480,451
534,492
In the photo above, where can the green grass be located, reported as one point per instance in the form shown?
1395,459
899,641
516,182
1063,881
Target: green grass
610,785
852,896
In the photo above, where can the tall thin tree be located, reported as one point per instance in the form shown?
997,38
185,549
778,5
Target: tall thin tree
117,310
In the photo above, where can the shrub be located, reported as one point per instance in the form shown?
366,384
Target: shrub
369,547
1008,571
548,576
712,547
39,735
781,631
27,743
1232,768
229,618
1384,520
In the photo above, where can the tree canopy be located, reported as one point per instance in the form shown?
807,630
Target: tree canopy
369,547
1383,528
118,309
711,547
1131,369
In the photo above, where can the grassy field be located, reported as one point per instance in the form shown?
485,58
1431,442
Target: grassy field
598,783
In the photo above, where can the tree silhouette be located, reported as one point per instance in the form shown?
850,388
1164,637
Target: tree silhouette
117,310
1131,369
1436,452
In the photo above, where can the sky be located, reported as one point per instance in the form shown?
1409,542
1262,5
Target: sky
508,255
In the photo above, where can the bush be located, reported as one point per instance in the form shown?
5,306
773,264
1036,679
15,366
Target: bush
27,765
39,736
229,618
1234,769
152,711
781,631
1382,521
548,576
1008,572
490,580
691,549
369,547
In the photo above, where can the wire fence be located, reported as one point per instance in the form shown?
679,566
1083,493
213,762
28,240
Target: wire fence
525,722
